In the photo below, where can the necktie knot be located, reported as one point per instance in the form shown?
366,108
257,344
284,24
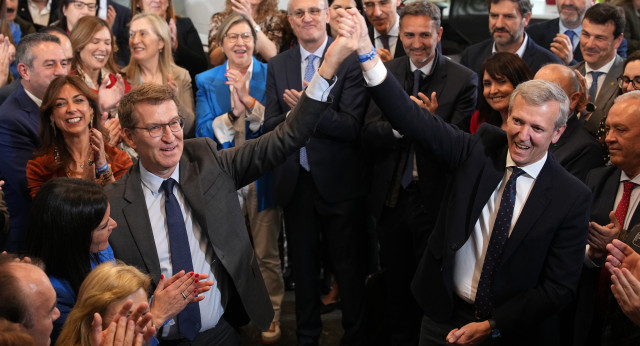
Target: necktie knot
571,35
385,41
167,186
515,173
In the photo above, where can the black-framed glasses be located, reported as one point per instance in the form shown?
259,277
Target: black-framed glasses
314,12
233,38
156,130
624,81
81,5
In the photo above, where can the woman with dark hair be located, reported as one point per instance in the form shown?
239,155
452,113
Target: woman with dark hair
501,74
70,12
69,229
264,17
185,42
630,79
74,140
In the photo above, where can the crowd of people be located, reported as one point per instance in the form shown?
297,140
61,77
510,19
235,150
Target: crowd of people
491,201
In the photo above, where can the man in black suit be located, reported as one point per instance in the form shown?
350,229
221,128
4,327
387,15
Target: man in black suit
179,202
45,11
562,35
478,280
615,196
507,21
576,150
321,187
406,209
602,29
383,31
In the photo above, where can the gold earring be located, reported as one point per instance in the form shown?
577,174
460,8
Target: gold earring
91,122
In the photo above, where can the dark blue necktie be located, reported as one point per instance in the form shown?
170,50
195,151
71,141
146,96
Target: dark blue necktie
407,174
571,35
189,318
593,89
499,236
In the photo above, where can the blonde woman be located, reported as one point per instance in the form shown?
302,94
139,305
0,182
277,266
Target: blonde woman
152,62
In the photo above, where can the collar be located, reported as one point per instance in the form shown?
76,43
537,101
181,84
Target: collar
395,29
520,51
563,28
426,69
624,176
319,52
33,5
33,97
604,68
533,169
153,182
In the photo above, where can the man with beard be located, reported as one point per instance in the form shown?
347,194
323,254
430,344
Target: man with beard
507,20
562,35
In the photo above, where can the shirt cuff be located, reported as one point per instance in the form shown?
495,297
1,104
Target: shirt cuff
376,75
319,87
589,263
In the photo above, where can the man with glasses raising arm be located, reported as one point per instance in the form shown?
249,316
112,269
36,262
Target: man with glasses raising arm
320,188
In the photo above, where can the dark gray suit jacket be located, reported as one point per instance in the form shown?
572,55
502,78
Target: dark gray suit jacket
608,92
209,179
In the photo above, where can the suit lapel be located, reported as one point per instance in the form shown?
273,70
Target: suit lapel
610,85
193,193
294,76
136,216
491,175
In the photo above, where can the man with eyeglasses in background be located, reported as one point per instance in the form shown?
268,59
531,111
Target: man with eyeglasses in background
320,187
384,27
39,12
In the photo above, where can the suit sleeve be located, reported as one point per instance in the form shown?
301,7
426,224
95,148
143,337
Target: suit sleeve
274,112
559,277
190,52
466,102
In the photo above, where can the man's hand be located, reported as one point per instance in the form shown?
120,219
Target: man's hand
292,96
172,296
622,256
626,290
470,334
423,101
599,236
562,47
173,32
385,54
584,95
111,16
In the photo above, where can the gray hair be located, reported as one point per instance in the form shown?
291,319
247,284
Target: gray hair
629,96
24,50
538,92
422,8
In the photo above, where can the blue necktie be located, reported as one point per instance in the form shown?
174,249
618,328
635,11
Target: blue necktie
309,71
189,318
571,35
499,236
593,89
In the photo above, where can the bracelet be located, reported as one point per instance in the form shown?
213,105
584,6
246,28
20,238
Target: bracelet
368,56
232,117
252,104
100,171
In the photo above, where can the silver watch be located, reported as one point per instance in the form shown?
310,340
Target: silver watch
257,28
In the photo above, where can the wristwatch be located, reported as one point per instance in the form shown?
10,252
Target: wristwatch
495,332
257,28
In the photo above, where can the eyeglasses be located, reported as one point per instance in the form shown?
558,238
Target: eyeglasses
370,5
233,38
156,130
81,5
314,12
624,81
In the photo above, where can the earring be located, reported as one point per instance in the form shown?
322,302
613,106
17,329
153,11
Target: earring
91,122
53,126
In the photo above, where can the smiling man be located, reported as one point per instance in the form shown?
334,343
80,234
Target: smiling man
507,21
383,31
602,29
505,254
405,209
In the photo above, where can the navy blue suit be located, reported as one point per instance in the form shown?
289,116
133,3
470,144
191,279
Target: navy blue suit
19,138
534,55
541,261
324,203
23,11
544,33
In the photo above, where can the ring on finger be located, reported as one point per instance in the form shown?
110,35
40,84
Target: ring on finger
183,296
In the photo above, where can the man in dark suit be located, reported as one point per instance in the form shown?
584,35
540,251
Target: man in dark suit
214,238
40,59
46,10
576,150
562,35
406,209
507,21
615,196
602,29
321,187
120,29
478,280
383,31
